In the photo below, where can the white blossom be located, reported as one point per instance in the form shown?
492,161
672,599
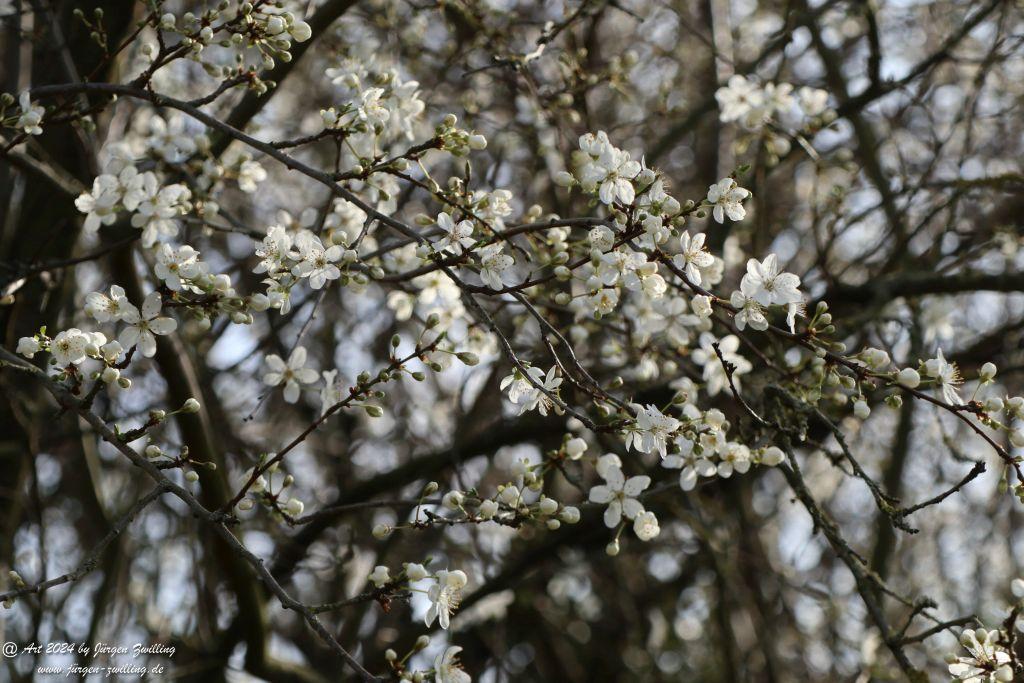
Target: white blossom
332,391
748,312
445,596
645,526
526,394
610,170
715,376
250,174
619,494
651,431
273,250
727,199
604,300
494,265
154,213
457,236
767,286
142,326
31,115
292,374
174,264
989,662
100,204
733,457
316,262
109,308
947,375
69,347
690,464
447,668
28,347
693,256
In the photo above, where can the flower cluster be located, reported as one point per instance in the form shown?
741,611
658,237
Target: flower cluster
772,111
988,661
153,207
73,346
763,286
444,593
257,34
288,257
267,484
990,654
533,390
607,170
380,104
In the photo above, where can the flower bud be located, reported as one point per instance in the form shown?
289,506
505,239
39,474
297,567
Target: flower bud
548,506
301,31
772,456
275,25
570,514
575,448
294,507
564,179
988,372
415,572
488,509
909,378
